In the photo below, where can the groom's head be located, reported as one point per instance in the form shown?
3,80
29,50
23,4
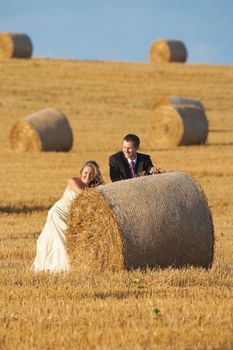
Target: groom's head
130,146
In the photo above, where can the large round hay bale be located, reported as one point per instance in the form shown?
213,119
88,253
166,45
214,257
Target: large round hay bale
15,45
163,51
161,220
179,100
45,130
175,125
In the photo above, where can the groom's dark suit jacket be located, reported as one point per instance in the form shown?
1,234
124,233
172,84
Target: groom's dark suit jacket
119,166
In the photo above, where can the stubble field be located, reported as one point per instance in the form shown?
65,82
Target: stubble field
161,309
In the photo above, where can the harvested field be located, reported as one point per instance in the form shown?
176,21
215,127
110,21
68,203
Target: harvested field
188,308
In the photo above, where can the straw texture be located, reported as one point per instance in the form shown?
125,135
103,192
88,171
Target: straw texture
175,125
179,100
45,130
15,45
161,220
93,237
163,51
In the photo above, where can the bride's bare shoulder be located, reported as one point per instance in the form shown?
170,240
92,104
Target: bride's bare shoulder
76,184
76,179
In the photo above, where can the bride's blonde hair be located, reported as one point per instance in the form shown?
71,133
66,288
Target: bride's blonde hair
98,179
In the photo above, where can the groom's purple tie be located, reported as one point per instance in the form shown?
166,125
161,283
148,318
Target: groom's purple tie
132,168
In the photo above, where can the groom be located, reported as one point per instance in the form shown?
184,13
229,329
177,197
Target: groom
128,163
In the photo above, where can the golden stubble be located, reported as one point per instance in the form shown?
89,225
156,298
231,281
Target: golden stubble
165,309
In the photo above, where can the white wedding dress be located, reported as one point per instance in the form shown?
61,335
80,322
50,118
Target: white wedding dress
51,253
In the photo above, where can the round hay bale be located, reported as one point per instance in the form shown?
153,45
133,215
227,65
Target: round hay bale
175,125
45,130
15,45
179,100
161,220
163,51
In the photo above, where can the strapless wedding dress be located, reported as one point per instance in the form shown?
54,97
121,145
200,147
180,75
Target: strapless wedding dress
51,253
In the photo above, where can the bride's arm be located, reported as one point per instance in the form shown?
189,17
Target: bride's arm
75,184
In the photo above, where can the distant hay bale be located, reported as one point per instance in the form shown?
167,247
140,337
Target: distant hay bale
175,125
163,51
161,220
179,100
15,45
45,130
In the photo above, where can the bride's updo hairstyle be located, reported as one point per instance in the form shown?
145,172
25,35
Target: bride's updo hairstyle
98,179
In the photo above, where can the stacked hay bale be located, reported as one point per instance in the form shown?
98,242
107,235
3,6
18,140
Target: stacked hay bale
164,51
45,130
178,100
176,121
15,45
161,220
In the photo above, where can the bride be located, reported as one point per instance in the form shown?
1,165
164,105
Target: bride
51,254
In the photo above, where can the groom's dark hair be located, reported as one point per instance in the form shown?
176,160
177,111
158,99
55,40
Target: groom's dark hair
132,138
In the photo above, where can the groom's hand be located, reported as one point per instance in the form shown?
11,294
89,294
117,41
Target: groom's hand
143,173
155,170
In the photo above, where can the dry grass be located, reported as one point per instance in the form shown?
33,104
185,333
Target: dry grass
165,309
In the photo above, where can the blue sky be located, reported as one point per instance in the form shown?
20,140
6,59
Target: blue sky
122,30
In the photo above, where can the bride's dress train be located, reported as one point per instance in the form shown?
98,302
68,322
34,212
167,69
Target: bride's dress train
51,253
